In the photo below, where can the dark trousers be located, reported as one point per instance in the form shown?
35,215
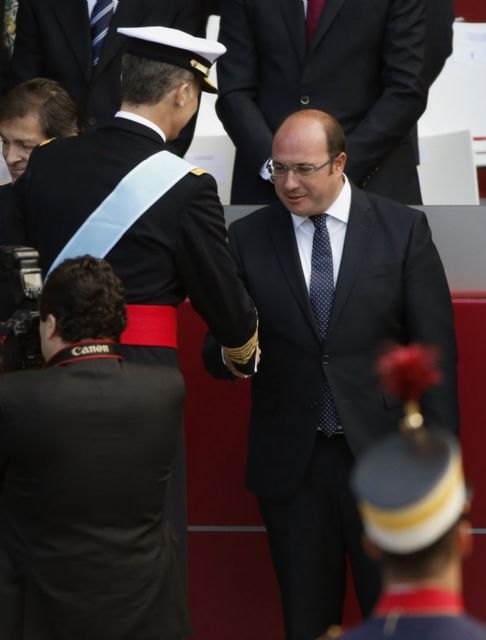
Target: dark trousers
175,497
310,535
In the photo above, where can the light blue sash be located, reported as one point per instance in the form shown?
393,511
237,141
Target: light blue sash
134,194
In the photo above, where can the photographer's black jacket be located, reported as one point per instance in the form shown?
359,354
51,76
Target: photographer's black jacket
85,553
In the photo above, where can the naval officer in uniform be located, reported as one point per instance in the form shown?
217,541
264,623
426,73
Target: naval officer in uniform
157,219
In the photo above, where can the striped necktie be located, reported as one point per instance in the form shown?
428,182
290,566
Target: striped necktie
321,292
100,22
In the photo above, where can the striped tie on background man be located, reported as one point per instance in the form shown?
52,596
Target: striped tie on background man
100,21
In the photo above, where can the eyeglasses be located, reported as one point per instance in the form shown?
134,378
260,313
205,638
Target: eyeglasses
278,170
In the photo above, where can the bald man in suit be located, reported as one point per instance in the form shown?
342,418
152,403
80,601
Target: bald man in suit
387,285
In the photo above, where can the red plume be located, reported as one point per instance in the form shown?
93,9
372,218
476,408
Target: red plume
408,371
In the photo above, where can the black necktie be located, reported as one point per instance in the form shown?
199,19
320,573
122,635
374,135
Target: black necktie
321,291
99,22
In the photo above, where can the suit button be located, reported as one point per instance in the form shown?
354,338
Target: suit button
91,121
314,404
304,100
325,358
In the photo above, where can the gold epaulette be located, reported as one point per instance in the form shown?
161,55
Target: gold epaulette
243,354
197,171
332,633
41,144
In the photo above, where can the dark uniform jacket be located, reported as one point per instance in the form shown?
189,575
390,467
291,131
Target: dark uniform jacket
53,40
423,627
391,288
364,67
85,553
7,207
176,249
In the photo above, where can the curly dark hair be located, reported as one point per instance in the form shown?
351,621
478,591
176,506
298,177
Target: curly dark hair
87,300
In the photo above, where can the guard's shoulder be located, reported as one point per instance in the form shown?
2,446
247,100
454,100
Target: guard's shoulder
332,633
198,171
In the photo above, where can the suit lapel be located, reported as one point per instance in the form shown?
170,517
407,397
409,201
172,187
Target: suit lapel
287,253
358,233
73,18
294,17
331,9
127,14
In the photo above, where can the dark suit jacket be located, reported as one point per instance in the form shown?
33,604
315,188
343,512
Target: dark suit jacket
53,40
8,303
440,17
391,288
364,67
4,57
177,248
205,9
85,450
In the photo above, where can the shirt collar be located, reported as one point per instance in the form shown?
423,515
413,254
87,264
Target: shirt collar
339,208
134,117
91,4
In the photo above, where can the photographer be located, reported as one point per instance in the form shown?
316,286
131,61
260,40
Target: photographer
85,449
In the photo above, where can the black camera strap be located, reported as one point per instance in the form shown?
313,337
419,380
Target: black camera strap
86,350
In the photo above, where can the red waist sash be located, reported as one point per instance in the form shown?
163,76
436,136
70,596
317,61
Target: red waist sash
151,326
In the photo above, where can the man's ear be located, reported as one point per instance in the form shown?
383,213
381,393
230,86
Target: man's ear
340,162
181,93
51,326
464,539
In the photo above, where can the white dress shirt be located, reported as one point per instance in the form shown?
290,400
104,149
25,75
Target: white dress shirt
128,115
91,4
337,220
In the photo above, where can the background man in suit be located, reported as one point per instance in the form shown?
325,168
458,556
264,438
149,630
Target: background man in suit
30,113
85,454
440,18
316,403
4,57
177,247
33,112
54,39
206,8
363,64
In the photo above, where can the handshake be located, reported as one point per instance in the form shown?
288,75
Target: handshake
227,362
242,362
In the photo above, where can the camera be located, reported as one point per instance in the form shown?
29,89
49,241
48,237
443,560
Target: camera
20,289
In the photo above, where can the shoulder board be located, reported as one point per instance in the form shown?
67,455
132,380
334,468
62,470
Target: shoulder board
45,142
197,171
